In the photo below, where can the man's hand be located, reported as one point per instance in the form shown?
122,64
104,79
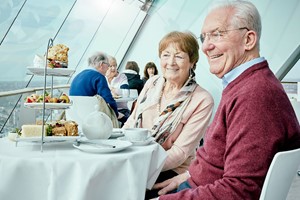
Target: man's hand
171,184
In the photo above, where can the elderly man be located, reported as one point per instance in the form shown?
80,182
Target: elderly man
92,81
254,120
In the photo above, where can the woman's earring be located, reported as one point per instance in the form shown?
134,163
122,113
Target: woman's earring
192,73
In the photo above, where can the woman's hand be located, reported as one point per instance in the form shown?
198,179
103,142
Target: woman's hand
150,75
114,91
171,184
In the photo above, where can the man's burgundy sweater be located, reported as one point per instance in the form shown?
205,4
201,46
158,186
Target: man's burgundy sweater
254,121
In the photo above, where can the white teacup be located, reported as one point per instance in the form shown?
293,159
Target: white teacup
136,134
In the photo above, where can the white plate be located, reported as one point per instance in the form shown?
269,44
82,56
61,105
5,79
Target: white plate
117,132
51,71
48,105
125,99
100,146
140,143
48,138
117,96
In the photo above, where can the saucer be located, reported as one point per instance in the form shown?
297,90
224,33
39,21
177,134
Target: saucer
138,143
102,146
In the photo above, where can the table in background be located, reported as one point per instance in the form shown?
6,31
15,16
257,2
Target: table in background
125,99
62,172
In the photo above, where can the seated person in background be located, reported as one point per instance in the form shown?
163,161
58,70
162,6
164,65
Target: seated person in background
173,106
92,81
132,71
149,71
116,82
254,120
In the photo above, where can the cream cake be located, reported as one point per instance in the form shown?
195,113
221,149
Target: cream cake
33,130
55,128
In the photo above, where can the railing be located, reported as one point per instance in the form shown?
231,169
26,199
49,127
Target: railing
28,90
21,92
289,64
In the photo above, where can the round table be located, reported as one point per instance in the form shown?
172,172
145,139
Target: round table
62,172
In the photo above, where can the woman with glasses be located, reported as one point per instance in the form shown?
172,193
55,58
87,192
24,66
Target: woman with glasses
91,81
116,82
173,106
115,79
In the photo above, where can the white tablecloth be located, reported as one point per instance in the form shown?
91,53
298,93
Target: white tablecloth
62,172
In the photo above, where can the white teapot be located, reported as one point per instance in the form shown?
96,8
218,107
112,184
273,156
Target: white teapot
97,125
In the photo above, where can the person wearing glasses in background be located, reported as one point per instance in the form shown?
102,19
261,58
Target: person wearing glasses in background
254,120
173,106
92,81
116,82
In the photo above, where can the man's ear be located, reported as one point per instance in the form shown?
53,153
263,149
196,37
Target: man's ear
250,40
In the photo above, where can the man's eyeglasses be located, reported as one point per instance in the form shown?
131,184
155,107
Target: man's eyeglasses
217,35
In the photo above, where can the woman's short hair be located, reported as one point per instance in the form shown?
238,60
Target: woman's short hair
150,65
133,66
185,41
96,58
112,59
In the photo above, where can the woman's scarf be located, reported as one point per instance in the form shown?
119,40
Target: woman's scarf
170,117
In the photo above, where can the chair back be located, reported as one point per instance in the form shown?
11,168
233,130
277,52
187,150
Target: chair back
82,106
280,175
131,104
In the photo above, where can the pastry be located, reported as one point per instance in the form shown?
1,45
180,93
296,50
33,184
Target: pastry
58,56
56,128
64,98
72,128
33,130
63,128
59,131
35,98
